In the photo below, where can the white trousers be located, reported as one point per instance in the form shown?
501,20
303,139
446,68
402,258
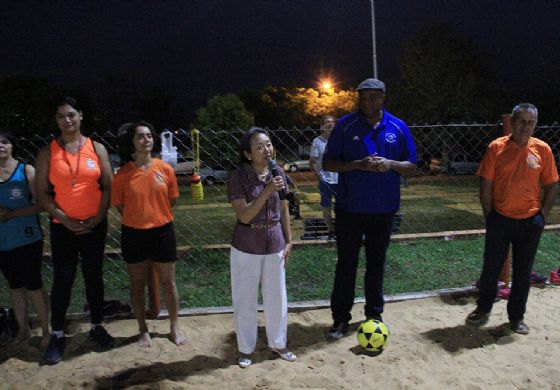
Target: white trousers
247,271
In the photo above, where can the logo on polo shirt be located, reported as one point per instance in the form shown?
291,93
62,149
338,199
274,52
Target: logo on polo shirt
390,137
90,164
533,162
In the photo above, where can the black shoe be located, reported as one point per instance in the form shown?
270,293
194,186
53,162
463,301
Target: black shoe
376,317
100,335
519,327
337,331
55,349
478,317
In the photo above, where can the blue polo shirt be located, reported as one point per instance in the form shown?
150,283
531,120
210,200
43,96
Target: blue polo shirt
354,138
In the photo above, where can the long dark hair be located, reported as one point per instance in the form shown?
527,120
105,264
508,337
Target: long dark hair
126,137
67,101
245,143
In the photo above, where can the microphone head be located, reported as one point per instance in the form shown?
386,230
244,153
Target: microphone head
272,165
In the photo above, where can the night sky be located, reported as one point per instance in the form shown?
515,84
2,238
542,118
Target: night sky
199,48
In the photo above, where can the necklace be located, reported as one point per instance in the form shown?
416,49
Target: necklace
73,174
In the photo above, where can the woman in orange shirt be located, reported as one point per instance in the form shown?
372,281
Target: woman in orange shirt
144,191
73,182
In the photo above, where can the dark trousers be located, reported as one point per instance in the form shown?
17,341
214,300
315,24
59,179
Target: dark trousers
350,229
66,246
524,236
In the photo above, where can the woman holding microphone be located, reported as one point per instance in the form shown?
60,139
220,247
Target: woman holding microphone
260,248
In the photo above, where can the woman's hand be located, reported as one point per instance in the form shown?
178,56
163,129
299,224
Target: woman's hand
275,185
92,222
75,226
3,217
287,252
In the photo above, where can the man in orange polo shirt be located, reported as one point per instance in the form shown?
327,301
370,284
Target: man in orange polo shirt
511,175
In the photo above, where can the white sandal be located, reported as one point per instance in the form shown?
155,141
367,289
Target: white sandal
285,355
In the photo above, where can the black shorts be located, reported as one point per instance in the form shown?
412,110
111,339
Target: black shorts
22,266
156,244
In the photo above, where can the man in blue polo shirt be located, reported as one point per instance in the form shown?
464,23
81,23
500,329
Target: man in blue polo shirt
370,149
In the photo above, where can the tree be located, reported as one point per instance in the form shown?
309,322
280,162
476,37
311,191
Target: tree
444,78
220,124
330,102
276,107
223,112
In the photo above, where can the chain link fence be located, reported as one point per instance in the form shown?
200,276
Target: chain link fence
442,197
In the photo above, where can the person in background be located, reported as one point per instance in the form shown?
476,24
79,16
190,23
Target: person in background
518,186
327,180
144,191
21,240
260,247
73,181
370,149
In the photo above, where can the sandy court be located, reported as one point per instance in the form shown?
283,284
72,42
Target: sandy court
430,348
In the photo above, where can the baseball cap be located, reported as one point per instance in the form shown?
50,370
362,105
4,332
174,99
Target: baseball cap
371,84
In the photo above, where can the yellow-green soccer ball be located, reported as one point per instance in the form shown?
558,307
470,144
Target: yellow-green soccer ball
372,335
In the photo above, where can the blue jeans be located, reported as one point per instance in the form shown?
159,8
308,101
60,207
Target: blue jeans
350,229
524,235
327,191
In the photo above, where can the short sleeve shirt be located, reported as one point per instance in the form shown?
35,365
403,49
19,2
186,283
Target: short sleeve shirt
517,174
144,194
317,151
243,183
354,138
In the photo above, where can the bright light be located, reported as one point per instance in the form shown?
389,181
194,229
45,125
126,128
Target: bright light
326,85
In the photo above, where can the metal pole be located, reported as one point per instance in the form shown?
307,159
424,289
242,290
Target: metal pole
373,38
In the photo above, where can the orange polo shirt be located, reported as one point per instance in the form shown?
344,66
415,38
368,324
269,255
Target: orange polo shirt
517,174
144,194
81,200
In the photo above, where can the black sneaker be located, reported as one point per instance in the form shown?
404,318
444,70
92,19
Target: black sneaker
374,317
55,349
337,331
478,317
519,327
100,335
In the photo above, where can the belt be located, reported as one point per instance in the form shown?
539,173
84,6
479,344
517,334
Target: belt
260,225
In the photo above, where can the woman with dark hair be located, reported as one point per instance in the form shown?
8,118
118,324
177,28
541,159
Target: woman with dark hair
260,247
21,240
74,186
144,191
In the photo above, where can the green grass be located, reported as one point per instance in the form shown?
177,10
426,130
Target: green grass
429,204
203,275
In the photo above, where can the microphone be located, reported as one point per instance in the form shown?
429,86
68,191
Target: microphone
273,168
